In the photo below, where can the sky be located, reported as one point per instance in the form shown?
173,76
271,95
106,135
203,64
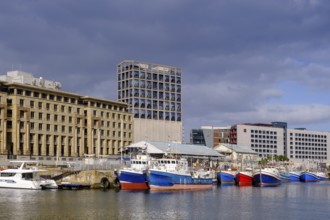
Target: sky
242,61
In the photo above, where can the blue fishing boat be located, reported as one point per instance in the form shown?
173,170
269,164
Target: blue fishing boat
173,174
294,176
267,177
135,177
285,177
308,176
226,176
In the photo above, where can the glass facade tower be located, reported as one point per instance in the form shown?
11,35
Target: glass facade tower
152,91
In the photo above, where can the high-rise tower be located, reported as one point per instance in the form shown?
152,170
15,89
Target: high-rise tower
153,93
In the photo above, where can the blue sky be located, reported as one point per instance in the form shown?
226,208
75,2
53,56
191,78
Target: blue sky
242,61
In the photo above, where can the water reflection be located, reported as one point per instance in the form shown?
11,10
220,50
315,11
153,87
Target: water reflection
291,200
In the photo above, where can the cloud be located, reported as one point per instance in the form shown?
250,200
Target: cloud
234,54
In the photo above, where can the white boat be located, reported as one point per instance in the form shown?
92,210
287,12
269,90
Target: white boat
25,178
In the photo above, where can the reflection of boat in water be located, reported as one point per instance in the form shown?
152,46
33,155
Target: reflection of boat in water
173,174
308,176
267,177
135,177
24,178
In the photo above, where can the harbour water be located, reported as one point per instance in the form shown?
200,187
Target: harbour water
288,201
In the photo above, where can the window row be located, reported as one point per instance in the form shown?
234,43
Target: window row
309,139
307,144
69,130
263,141
309,157
309,153
149,94
149,76
263,136
263,132
169,106
309,148
157,115
149,85
263,146
308,135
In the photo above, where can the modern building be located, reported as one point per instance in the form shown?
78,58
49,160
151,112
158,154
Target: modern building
266,139
306,145
37,120
263,138
210,136
153,94
299,145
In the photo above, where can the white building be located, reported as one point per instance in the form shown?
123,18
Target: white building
299,145
28,79
236,153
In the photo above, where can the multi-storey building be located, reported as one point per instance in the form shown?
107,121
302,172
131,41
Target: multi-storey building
269,139
299,144
37,119
210,136
264,139
308,145
153,93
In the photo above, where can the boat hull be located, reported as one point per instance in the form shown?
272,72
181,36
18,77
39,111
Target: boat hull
226,177
133,180
266,179
294,177
308,177
285,177
162,180
322,176
244,179
19,184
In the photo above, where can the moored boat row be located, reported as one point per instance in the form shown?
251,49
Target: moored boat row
269,177
164,174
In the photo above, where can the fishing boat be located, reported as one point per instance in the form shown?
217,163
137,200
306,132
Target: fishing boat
135,177
294,176
244,178
322,176
285,176
267,177
308,176
227,176
174,174
25,178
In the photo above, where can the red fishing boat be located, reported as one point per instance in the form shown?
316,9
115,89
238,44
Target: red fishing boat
244,178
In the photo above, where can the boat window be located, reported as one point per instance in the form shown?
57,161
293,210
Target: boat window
7,174
27,176
173,162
